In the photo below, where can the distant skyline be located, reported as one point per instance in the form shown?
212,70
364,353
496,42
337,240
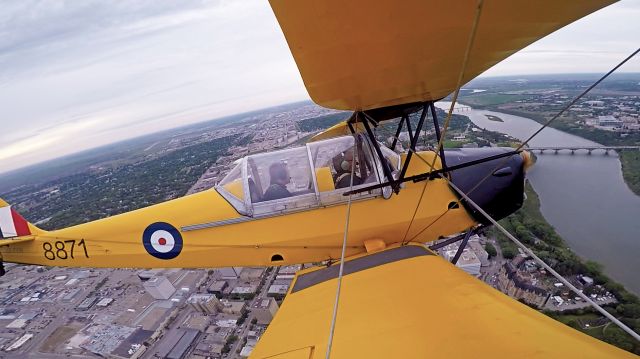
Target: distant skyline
78,75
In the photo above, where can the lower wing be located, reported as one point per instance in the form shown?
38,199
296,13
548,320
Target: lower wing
406,302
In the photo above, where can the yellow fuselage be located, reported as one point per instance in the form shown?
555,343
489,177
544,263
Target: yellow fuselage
231,239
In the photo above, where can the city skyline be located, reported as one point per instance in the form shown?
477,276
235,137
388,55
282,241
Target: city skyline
81,76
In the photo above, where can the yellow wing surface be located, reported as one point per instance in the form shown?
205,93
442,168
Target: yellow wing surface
361,54
406,302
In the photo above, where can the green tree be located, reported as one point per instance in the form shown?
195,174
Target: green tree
491,250
631,310
593,268
509,252
617,337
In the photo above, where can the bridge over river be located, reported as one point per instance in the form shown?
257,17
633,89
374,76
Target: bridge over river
588,149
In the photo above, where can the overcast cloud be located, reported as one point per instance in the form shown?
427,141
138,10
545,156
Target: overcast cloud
80,74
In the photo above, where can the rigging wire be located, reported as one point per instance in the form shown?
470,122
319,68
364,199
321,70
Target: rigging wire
523,144
564,109
463,68
542,263
533,255
424,189
344,247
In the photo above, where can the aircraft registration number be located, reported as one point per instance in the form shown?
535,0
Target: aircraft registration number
64,249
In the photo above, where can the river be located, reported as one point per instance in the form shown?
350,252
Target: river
583,196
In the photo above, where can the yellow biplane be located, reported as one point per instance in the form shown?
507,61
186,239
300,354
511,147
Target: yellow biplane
383,60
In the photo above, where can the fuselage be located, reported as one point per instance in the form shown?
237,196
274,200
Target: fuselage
212,229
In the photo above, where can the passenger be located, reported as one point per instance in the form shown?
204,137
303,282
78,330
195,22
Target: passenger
279,180
344,171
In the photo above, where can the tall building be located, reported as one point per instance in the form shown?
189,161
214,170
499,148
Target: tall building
217,287
230,272
609,121
521,284
159,287
205,303
264,310
468,261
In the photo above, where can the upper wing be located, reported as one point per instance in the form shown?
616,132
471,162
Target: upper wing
407,303
362,54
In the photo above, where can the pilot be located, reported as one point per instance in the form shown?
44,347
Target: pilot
343,178
279,180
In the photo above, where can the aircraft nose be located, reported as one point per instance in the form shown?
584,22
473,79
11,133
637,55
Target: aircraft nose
497,186
527,160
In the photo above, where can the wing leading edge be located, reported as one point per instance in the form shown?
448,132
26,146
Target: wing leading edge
406,302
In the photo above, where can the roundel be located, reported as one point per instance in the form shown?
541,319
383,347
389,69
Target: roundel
162,240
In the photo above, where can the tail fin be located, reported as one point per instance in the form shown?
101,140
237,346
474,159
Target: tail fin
12,224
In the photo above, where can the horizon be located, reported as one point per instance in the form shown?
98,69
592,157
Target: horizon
263,109
119,73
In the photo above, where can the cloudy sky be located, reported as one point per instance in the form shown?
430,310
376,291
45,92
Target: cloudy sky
80,74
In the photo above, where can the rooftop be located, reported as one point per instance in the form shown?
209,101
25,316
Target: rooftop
262,304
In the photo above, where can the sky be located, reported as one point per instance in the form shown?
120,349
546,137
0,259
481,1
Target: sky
76,75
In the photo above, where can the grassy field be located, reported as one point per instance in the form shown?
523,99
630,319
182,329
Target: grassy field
490,99
59,336
631,169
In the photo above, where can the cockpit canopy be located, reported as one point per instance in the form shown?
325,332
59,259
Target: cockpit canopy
315,175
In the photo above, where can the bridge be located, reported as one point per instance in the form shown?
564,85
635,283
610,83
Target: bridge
589,149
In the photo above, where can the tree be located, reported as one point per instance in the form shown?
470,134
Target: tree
631,310
617,337
491,250
509,252
593,268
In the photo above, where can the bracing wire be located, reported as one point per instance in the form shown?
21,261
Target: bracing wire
542,263
344,247
523,144
463,68
530,253
564,109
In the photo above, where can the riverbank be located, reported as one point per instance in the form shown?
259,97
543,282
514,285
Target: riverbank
630,159
530,226
584,197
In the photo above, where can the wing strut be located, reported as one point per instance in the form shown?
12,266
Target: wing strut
462,246
414,141
436,125
374,142
398,130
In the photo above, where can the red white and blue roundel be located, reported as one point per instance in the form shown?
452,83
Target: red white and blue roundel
162,240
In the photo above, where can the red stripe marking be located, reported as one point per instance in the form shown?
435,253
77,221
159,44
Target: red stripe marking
22,227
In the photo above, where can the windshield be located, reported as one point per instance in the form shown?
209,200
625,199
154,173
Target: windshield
232,188
279,175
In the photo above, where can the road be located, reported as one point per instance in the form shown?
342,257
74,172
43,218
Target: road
490,273
236,347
